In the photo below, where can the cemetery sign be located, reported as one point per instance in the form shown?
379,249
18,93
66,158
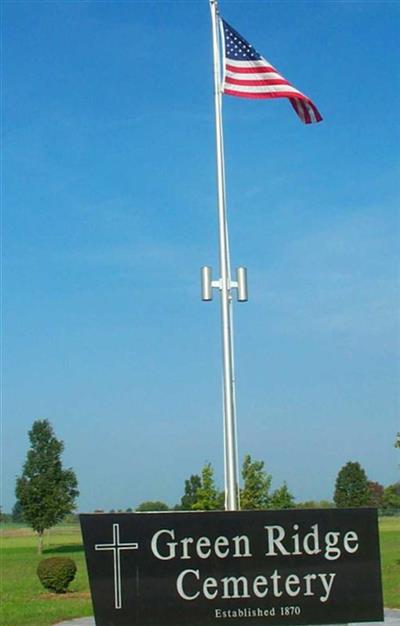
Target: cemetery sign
239,568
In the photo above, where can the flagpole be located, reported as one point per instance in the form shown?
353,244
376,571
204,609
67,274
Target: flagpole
225,285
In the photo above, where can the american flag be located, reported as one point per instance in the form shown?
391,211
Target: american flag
248,75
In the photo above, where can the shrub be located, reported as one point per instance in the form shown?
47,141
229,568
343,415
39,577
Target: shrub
56,573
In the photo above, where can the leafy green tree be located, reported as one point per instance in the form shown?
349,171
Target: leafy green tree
256,485
397,442
220,500
152,505
282,498
207,495
351,488
46,491
17,513
391,497
190,496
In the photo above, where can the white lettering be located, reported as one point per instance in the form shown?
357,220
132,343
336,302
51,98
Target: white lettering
203,547
234,582
191,585
210,583
327,585
203,542
292,581
275,540
179,583
171,545
185,547
296,541
312,537
275,583
259,582
221,542
246,545
332,552
353,537
308,578
332,544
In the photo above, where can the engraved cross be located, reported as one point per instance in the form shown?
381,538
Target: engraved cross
116,548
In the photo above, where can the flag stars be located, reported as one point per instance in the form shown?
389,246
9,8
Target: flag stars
238,48
246,59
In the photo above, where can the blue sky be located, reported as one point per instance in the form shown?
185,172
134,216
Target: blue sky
109,210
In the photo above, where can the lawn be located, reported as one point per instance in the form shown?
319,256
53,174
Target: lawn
389,532
26,603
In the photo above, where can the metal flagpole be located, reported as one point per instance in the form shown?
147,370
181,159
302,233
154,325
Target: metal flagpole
225,285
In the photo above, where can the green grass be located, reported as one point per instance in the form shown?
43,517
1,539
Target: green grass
389,533
26,603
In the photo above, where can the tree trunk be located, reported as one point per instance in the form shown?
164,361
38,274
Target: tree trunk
40,544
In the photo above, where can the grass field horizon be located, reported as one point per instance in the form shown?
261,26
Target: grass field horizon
26,603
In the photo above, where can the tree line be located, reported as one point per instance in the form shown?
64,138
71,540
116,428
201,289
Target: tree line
202,494
46,492
352,489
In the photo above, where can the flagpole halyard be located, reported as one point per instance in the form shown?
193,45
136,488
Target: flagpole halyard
225,285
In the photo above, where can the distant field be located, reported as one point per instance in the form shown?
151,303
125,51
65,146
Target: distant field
26,603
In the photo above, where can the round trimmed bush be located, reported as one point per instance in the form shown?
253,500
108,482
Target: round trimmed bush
56,573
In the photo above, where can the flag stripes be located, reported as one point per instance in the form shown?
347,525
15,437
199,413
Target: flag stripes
248,75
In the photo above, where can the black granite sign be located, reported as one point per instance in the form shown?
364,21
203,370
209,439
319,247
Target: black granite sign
236,568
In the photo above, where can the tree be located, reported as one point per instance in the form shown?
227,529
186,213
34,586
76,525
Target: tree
152,505
315,504
207,496
255,492
351,488
190,496
307,504
282,498
17,513
397,442
325,504
375,494
391,497
47,492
